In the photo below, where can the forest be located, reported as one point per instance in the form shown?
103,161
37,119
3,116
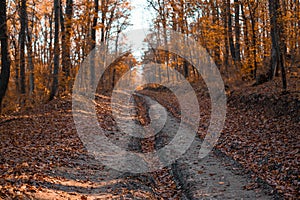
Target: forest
52,58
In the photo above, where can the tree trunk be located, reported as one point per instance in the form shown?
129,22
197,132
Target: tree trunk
16,63
230,32
30,57
237,31
68,21
253,19
66,26
22,35
103,18
277,50
94,40
50,49
216,20
226,40
5,62
56,49
246,34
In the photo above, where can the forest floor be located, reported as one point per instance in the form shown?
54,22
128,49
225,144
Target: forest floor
257,157
261,133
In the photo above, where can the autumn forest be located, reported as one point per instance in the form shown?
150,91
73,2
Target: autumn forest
255,47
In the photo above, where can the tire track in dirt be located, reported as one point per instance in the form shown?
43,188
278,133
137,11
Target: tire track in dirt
208,178
166,186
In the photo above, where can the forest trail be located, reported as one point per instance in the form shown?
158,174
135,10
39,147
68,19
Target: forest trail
54,51
43,158
208,178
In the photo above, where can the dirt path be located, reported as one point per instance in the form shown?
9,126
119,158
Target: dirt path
43,158
211,179
208,178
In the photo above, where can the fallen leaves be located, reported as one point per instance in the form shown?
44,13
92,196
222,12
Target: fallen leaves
40,153
261,132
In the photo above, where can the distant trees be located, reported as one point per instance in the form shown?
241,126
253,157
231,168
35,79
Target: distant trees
241,35
5,62
49,39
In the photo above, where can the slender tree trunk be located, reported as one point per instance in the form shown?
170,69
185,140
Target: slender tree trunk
5,62
68,21
253,19
94,40
216,20
30,57
237,30
22,46
246,35
16,63
226,40
66,26
230,32
103,18
64,66
265,36
56,49
50,49
167,55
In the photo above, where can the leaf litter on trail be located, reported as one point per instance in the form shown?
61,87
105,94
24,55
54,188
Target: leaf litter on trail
261,131
42,157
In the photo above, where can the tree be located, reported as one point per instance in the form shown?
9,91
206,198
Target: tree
66,28
30,51
56,49
230,31
277,59
5,62
237,31
22,38
226,38
253,5
94,39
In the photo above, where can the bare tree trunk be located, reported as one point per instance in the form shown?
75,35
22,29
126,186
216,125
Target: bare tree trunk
103,18
216,17
5,62
246,34
56,49
230,32
64,66
50,49
226,40
16,63
94,40
68,21
22,46
237,31
30,57
277,50
66,26
252,9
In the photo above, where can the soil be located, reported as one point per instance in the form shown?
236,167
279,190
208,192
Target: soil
42,157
